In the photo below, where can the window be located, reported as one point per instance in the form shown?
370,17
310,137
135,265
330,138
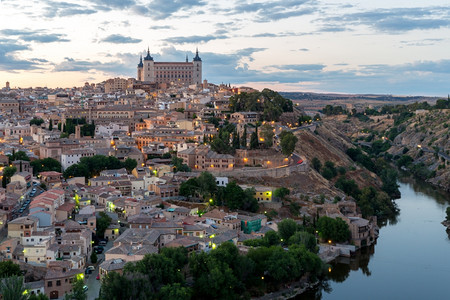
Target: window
58,282
49,284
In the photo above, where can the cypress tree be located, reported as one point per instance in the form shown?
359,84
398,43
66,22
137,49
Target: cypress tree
244,138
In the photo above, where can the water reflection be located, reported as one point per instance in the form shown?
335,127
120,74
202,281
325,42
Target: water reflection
418,224
340,270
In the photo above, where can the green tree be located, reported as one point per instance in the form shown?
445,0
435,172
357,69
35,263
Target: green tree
19,155
78,292
8,172
335,230
286,229
447,211
40,296
287,142
244,138
36,121
94,257
103,221
306,239
281,192
236,142
8,269
175,292
76,170
130,164
267,134
12,288
254,144
50,125
44,165
207,185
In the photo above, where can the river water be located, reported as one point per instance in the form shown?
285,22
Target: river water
411,259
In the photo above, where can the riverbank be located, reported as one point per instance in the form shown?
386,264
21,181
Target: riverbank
403,275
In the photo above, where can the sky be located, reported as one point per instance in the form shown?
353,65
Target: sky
385,47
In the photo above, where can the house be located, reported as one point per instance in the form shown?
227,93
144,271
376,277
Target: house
22,227
59,277
134,244
203,158
50,178
252,223
111,265
25,178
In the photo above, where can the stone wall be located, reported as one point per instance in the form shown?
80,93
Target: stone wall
262,172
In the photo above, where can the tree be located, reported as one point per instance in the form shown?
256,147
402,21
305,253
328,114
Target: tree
267,134
447,211
207,185
76,170
46,164
175,292
12,288
130,164
254,144
40,296
78,292
36,121
236,143
316,164
335,230
281,192
8,172
306,239
102,223
286,229
8,269
244,138
94,257
287,142
19,155
50,126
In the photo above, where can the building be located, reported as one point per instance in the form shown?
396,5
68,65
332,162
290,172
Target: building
167,72
22,227
73,156
203,158
9,106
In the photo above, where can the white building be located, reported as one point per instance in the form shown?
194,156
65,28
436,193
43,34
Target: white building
107,130
73,156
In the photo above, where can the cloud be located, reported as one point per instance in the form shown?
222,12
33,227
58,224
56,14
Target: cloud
66,9
8,60
38,35
396,20
195,39
276,10
160,27
120,39
163,9
114,4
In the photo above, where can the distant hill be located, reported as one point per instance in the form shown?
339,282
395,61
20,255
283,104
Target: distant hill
370,97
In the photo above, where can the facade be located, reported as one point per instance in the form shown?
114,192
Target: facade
167,72
73,156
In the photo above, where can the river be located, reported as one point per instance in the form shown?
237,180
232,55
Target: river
411,259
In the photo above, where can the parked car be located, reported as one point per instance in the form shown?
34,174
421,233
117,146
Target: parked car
99,250
34,189
98,277
85,288
35,183
21,210
102,243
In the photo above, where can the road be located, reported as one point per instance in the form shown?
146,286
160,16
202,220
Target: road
92,283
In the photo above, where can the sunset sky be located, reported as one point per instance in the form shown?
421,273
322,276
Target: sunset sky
387,47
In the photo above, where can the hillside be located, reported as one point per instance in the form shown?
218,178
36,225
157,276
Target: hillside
426,139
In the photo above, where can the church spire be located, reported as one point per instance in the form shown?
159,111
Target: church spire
140,65
197,58
186,58
148,57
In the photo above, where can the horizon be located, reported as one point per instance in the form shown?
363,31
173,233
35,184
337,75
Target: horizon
328,46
